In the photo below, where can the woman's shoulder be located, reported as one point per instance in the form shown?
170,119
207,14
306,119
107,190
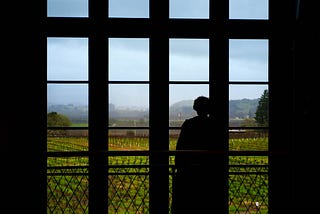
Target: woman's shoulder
191,120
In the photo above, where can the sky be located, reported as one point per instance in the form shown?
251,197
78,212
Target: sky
67,58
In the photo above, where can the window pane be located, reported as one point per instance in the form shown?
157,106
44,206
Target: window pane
70,100
128,59
128,184
181,101
248,140
173,137
128,105
248,60
67,140
248,9
67,59
67,176
194,9
128,139
189,59
67,8
243,104
129,8
248,179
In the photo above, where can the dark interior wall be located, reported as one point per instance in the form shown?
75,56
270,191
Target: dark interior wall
21,178
306,85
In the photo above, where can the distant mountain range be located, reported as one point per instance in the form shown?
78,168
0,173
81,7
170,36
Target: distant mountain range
238,109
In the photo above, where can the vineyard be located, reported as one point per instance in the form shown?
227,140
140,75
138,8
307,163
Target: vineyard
128,176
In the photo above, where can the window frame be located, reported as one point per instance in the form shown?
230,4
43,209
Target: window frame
159,29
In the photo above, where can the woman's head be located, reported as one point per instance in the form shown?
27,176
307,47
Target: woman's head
202,105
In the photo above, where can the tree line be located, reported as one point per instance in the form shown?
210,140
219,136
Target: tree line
261,117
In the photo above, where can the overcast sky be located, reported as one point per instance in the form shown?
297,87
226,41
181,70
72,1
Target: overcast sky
129,58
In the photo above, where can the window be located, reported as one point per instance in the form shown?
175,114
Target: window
121,79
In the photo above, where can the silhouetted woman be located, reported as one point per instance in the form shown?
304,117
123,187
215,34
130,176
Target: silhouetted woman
198,184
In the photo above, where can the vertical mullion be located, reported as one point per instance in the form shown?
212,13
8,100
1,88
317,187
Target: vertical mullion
98,108
219,93
219,10
280,105
98,116
159,107
219,88
159,133
43,59
42,128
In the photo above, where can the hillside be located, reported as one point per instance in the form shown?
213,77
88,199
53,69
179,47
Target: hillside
244,108
238,109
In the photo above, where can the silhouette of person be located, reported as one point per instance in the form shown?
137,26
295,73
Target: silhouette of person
197,185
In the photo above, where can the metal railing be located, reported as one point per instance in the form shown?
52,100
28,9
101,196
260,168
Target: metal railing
128,183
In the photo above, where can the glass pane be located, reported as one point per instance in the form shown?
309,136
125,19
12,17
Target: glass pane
128,105
128,185
248,174
128,59
67,140
189,59
129,8
67,59
129,139
248,59
248,140
181,97
244,105
69,100
193,9
248,9
67,8
67,179
173,137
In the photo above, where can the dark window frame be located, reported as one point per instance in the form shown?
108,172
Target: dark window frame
218,29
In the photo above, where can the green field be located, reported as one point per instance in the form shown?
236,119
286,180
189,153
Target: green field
128,186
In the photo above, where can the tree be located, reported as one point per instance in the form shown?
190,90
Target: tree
249,122
55,119
262,113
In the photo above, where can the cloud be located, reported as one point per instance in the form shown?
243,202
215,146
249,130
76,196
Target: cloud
67,8
129,8
129,59
67,94
189,9
248,9
67,58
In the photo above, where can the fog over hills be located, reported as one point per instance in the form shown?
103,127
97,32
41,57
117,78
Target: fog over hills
244,108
